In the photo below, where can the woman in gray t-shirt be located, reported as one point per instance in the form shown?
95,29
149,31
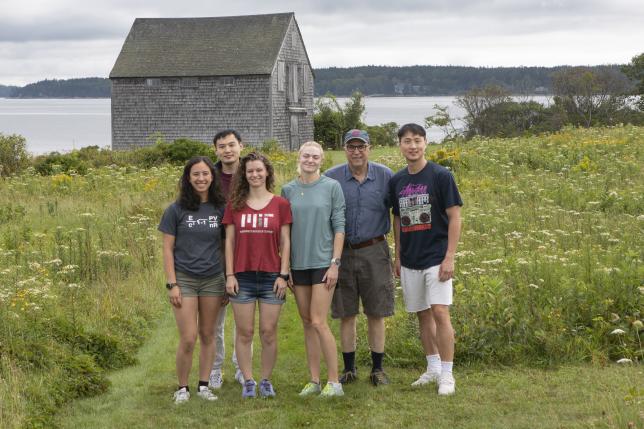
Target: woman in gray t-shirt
192,233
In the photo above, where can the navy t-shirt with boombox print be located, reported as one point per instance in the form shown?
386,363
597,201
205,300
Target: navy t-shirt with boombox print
421,200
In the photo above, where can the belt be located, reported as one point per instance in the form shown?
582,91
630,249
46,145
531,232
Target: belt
364,243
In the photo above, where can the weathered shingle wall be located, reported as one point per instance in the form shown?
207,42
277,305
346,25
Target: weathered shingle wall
194,108
292,54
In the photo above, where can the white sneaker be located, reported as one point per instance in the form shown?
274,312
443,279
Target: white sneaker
426,378
239,377
446,384
182,395
216,379
206,394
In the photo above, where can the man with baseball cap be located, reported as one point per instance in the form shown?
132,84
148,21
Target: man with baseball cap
365,270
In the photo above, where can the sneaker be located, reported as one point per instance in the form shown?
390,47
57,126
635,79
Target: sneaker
349,376
216,379
446,384
239,377
378,377
248,391
426,378
310,389
205,393
266,389
182,395
332,389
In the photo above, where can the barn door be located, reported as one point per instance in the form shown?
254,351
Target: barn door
294,142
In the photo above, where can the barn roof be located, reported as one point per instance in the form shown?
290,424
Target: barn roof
222,46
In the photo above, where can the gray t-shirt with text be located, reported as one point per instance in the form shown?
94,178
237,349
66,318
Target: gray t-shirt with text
197,245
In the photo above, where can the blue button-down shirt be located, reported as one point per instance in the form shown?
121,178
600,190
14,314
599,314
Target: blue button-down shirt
367,203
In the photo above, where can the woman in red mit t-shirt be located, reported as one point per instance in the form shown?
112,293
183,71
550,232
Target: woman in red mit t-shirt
257,264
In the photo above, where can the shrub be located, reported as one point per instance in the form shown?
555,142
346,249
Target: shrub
13,154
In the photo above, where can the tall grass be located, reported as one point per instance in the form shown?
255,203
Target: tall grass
549,268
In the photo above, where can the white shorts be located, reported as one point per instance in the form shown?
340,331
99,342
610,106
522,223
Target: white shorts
422,289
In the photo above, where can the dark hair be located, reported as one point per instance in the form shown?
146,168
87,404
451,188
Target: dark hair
188,198
240,187
225,133
415,129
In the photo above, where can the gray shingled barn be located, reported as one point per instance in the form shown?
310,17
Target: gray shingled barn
189,77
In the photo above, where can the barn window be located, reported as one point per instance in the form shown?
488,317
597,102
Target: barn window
306,81
281,75
293,85
189,82
228,81
153,82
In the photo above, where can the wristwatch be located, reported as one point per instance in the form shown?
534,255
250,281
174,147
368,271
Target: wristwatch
336,261
285,277
170,285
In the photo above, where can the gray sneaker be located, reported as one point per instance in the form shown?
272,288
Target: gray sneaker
249,389
266,389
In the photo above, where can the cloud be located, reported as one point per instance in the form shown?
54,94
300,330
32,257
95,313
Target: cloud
70,38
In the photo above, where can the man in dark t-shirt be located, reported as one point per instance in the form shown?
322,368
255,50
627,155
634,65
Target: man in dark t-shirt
427,226
228,147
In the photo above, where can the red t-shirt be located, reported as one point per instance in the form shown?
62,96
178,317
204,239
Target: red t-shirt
257,235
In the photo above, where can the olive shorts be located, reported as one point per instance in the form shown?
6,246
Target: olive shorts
365,274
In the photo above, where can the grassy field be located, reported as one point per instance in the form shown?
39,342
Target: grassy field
579,396
549,274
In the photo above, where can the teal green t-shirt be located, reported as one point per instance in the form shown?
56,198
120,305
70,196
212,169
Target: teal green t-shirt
318,214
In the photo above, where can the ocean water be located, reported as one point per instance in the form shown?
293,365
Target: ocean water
65,124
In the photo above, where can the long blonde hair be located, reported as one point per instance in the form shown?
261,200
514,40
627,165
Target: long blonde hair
310,144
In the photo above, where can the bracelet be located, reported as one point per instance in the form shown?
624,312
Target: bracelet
229,275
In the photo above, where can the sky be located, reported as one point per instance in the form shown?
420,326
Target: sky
46,39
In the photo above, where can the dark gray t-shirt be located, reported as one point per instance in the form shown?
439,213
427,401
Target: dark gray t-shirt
197,244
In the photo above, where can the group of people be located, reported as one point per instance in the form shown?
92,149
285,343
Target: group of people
229,238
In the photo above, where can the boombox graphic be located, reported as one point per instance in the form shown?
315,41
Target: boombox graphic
415,210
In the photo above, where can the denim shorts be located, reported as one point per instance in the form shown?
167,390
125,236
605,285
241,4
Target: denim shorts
256,285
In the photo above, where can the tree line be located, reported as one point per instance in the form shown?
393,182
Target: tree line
582,96
91,87
437,80
368,80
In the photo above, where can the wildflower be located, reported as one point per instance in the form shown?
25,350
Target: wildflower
533,286
638,325
88,214
618,331
73,286
624,361
614,317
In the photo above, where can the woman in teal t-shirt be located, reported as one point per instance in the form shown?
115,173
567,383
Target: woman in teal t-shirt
317,236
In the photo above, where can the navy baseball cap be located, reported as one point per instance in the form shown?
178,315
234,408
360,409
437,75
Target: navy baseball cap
356,135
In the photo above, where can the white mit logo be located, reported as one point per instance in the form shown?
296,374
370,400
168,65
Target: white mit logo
255,220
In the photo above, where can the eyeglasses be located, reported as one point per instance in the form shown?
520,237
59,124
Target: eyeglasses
359,148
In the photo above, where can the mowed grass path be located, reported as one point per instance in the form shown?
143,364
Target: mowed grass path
568,397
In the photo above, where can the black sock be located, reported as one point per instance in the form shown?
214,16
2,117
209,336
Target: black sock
202,383
349,361
184,387
376,358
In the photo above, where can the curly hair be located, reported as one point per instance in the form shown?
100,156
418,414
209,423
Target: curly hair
188,199
240,187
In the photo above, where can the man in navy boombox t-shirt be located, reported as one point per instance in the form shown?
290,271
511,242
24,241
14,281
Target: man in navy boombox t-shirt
427,226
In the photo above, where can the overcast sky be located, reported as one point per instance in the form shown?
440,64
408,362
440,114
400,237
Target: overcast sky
72,38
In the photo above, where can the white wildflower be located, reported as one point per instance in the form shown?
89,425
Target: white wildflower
624,361
618,331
